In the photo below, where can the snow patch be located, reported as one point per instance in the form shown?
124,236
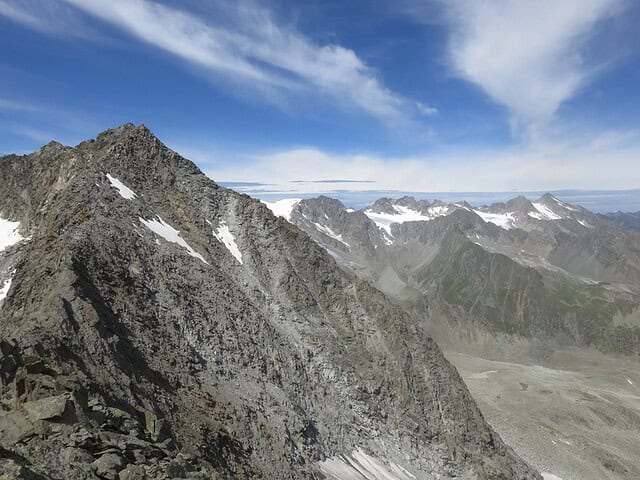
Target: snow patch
584,224
502,220
360,466
564,205
550,476
9,234
441,210
283,208
124,191
629,382
405,214
170,234
544,212
4,290
349,210
330,233
224,236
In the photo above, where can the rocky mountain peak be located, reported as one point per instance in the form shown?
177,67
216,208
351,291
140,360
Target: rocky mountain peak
548,199
213,330
520,204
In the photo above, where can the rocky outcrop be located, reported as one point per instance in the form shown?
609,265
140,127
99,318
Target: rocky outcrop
177,328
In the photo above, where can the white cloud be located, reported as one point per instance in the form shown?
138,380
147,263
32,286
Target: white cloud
20,15
528,55
553,167
27,131
48,16
426,110
242,43
15,106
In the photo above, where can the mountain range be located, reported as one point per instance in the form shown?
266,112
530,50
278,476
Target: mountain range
515,278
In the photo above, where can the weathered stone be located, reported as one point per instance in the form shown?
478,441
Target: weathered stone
155,427
34,364
47,408
76,456
122,442
108,466
133,472
82,438
15,426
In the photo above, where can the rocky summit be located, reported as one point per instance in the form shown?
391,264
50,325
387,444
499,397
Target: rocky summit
156,325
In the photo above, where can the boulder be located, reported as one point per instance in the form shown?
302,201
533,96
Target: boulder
47,408
108,466
15,426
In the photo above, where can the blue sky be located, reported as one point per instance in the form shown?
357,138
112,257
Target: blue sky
498,95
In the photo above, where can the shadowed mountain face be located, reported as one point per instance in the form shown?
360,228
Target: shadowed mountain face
499,278
154,323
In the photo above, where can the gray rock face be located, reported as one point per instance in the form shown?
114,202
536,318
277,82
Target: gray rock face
544,273
195,332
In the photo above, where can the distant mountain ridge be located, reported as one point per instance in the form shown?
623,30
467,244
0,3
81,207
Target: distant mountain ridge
628,220
540,271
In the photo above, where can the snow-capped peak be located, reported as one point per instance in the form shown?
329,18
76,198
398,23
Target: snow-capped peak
403,213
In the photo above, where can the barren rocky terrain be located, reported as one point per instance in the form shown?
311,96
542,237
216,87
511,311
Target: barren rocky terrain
577,418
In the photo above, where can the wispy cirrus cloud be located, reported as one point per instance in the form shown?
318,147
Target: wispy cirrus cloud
531,56
48,16
9,105
243,43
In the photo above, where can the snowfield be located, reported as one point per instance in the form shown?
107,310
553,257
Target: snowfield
405,214
224,236
330,233
360,466
124,191
283,208
502,220
9,234
4,289
544,212
170,234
